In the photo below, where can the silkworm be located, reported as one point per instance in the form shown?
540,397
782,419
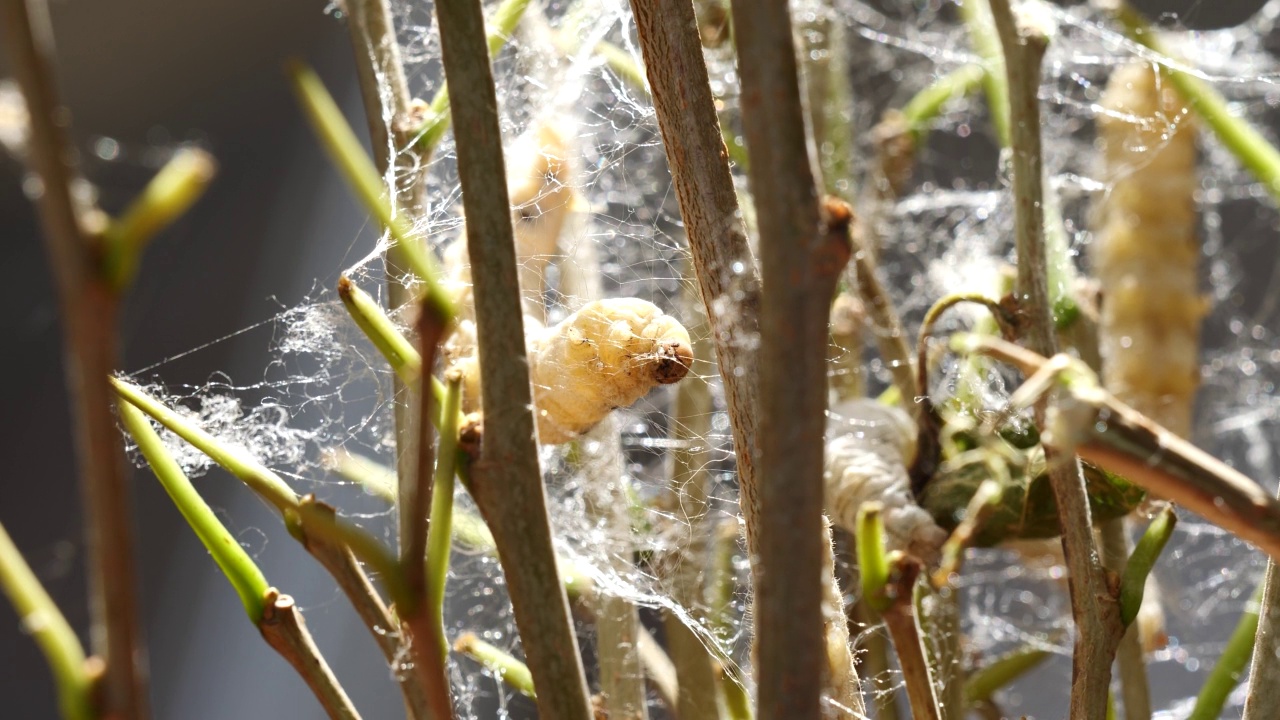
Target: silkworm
869,446
606,355
1145,251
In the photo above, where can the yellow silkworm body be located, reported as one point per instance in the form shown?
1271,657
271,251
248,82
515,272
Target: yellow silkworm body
1145,251
606,355
542,199
869,446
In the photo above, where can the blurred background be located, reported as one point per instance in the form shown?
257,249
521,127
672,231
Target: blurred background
140,77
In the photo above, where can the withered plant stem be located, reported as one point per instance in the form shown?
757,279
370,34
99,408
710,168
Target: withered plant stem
285,631
802,251
722,261
1094,606
89,309
506,480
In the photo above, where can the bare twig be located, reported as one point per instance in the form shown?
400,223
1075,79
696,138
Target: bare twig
891,339
89,307
1093,604
285,631
722,260
423,630
380,70
303,517
888,584
802,255
690,481
506,480
1264,690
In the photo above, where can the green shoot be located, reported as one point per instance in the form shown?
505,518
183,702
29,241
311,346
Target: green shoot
1141,561
235,563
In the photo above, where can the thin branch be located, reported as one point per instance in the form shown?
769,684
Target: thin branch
1093,605
726,271
89,307
285,631
41,618
506,480
1001,671
888,584
311,523
890,338
508,669
802,255
440,527
241,571
691,482
1135,690
1264,683
423,627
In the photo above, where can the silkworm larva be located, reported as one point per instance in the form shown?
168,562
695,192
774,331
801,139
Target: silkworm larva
542,198
1145,251
606,355
869,446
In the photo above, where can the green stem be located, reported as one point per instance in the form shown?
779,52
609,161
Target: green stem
440,527
348,154
1002,671
873,563
927,104
1231,664
41,618
235,563
1141,561
403,357
986,42
269,486
167,197
510,670
1237,134
376,479
252,473
437,116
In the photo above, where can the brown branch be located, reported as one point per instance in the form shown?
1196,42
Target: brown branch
900,619
802,253
285,631
506,480
89,309
1094,607
722,260
423,632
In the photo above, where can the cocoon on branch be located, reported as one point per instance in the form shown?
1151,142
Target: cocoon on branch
606,355
869,446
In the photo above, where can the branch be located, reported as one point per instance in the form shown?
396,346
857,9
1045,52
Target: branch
40,617
801,257
508,669
506,481
1093,605
89,309
311,523
888,584
726,271
284,630
423,627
